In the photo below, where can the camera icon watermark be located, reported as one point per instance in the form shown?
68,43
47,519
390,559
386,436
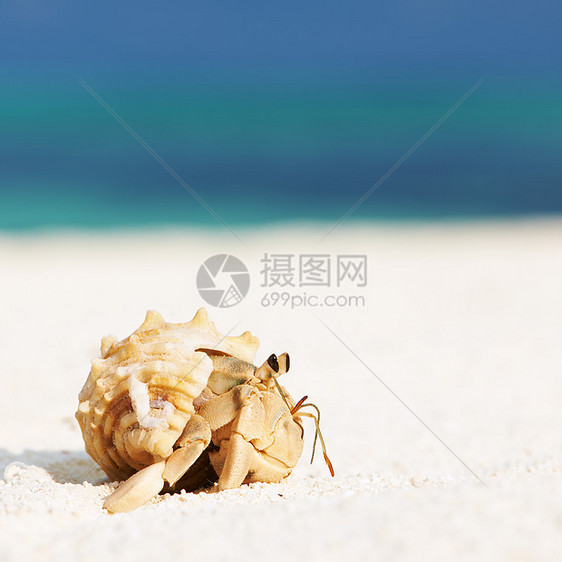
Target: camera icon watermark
223,281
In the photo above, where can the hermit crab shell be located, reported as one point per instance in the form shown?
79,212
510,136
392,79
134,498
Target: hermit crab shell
139,394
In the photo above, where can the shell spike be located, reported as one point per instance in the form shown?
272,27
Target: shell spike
247,336
106,344
135,344
97,368
152,320
201,318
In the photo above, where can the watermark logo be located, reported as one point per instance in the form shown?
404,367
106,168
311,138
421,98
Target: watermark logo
301,280
313,270
223,281
289,280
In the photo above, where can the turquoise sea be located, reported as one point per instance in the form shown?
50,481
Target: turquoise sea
273,147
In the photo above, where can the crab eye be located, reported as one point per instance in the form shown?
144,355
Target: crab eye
273,363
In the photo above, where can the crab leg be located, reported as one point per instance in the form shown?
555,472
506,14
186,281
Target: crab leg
137,490
249,424
241,406
237,463
148,482
193,441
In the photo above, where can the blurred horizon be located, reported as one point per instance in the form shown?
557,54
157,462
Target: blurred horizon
278,113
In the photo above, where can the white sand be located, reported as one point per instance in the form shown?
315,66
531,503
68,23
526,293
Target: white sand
462,322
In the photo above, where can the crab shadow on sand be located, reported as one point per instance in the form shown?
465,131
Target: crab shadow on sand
64,466
76,467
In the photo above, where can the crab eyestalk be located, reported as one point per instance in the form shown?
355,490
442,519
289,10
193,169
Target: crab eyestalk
273,367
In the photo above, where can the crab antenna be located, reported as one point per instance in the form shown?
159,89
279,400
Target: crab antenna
318,434
298,404
315,432
317,423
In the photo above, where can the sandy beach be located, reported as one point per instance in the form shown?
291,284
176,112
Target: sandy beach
440,394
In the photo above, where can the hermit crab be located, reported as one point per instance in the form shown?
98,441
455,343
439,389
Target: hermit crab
178,406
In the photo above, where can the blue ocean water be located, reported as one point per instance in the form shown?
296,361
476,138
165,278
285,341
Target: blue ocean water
280,148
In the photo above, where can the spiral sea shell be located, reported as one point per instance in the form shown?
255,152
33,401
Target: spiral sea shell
139,394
